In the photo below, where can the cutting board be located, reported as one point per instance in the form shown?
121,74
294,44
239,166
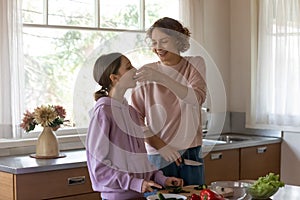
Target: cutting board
189,188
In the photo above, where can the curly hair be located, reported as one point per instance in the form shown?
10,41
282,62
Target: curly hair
174,29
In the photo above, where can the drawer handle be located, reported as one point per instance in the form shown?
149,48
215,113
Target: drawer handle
216,156
76,180
261,149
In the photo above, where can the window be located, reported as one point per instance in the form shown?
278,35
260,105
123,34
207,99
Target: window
63,38
276,91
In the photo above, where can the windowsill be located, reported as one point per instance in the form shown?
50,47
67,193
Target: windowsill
25,146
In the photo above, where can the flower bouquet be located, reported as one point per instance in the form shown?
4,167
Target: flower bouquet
47,116
50,117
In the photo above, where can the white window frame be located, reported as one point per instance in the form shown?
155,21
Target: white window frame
73,130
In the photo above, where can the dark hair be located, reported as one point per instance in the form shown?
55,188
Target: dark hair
175,29
106,65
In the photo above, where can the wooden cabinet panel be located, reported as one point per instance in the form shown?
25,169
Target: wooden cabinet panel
6,186
260,160
222,166
52,184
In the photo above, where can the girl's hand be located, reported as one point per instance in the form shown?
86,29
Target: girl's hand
148,186
173,181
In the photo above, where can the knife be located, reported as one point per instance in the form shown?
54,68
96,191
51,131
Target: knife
191,162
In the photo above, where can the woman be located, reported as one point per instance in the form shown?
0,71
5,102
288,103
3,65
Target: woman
169,97
116,155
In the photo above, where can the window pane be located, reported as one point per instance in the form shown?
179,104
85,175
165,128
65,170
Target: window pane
59,63
123,14
72,12
156,9
52,60
32,11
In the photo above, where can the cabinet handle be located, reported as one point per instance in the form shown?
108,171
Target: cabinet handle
76,180
261,149
216,156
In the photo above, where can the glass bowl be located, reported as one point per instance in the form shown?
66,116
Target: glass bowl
261,195
238,187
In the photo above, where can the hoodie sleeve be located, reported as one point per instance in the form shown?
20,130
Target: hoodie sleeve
102,171
159,177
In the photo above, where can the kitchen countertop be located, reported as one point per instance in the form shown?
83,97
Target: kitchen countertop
291,192
210,144
26,164
77,158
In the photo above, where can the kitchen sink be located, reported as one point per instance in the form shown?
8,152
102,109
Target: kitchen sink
212,142
223,139
231,139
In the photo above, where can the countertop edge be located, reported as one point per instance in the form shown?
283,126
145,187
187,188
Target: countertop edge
244,144
239,145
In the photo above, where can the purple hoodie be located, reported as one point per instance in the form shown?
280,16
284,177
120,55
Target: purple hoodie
116,154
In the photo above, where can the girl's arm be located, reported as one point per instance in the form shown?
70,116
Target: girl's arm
102,171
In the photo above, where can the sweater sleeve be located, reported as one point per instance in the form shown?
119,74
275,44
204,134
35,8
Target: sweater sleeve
104,174
197,86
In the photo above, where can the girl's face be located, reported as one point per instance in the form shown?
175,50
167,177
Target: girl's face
126,73
164,46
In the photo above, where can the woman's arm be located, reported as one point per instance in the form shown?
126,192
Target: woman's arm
192,90
167,152
150,74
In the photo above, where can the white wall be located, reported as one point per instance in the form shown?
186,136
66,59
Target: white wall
216,35
240,56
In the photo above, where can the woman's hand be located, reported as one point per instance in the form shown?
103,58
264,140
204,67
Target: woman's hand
170,154
167,152
173,181
149,74
148,186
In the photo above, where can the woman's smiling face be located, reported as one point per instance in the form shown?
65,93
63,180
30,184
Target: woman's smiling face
164,46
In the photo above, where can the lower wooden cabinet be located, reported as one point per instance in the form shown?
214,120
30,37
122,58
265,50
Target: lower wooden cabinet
221,166
260,160
60,184
242,163
6,186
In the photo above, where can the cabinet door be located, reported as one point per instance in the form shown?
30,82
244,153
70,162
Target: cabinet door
222,166
6,186
260,160
52,184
